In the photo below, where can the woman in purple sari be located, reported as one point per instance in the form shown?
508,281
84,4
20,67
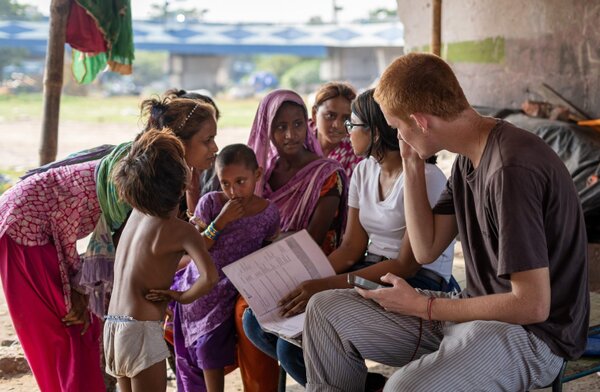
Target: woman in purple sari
310,191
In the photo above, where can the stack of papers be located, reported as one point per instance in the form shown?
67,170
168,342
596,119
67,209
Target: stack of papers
264,277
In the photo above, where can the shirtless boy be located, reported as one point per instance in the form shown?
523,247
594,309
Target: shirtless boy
152,178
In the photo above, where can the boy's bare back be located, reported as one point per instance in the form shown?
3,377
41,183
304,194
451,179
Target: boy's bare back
147,256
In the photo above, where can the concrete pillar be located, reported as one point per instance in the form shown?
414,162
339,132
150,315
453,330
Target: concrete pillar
502,50
358,66
191,72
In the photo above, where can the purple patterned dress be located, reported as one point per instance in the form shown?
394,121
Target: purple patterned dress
238,239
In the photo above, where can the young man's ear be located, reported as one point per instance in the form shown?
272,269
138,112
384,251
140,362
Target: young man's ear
421,120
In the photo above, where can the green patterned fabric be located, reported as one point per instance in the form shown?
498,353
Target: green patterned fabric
97,267
87,66
114,210
113,19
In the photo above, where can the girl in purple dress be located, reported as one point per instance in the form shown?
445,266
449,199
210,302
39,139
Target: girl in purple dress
235,223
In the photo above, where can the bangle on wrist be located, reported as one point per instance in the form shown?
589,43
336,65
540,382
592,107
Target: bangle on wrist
211,232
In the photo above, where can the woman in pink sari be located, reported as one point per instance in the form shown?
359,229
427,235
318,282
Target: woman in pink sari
310,192
307,189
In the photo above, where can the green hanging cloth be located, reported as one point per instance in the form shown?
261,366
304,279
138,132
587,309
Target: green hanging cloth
86,66
111,21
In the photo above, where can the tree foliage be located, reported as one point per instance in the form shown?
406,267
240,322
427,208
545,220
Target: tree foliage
162,12
302,76
276,64
149,67
10,9
9,56
382,14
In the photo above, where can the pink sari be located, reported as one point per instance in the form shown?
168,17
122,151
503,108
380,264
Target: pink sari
298,198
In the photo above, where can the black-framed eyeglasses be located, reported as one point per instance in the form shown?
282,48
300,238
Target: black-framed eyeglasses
349,126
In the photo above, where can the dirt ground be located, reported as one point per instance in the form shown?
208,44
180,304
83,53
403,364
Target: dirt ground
19,151
20,140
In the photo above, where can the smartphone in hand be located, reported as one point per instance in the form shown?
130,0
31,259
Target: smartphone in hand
363,283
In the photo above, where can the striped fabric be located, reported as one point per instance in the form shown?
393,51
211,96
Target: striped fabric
342,329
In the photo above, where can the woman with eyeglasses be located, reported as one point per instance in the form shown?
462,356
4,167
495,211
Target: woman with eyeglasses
375,240
329,112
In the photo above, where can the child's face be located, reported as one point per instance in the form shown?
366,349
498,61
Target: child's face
238,181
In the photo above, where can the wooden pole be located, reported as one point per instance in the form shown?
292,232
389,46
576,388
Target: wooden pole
436,32
53,79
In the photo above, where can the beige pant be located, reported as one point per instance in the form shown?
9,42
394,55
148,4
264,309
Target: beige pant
131,346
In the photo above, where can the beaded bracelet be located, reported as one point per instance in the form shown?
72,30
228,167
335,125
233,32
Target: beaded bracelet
211,232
